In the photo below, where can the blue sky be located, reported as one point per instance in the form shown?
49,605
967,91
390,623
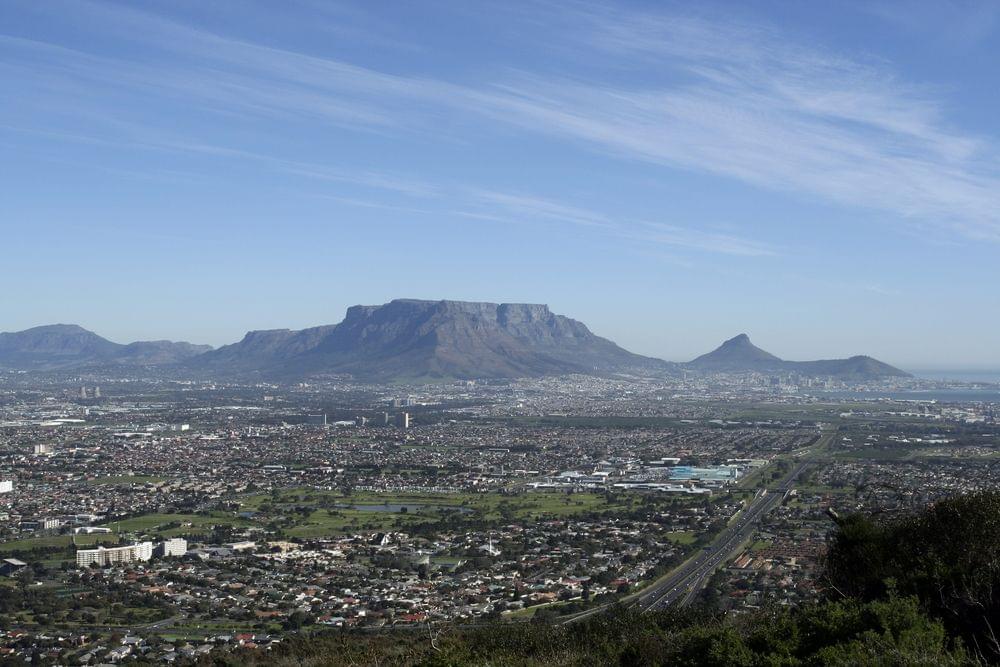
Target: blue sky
823,176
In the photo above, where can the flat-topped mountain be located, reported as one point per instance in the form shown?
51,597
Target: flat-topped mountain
60,346
411,339
738,354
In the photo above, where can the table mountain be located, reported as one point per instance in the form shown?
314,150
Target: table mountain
414,339
409,339
738,354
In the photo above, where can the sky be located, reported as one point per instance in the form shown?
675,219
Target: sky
822,176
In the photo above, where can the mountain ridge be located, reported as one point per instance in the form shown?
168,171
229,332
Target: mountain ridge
59,346
410,339
415,338
739,354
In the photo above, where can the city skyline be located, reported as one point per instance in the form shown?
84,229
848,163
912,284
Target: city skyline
671,177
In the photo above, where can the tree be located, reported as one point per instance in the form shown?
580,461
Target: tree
947,556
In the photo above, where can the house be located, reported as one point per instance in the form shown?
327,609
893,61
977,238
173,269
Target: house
10,567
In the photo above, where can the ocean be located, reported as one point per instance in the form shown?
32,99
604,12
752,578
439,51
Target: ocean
960,375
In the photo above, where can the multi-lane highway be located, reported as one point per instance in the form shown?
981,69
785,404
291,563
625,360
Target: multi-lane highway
684,583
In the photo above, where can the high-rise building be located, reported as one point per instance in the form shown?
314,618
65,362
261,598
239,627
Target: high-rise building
97,392
175,546
403,420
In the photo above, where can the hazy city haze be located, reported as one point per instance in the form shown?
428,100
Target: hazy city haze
823,178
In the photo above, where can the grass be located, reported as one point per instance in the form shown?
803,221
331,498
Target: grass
331,512
755,478
323,523
881,453
330,521
528,612
683,537
322,516
156,523
46,541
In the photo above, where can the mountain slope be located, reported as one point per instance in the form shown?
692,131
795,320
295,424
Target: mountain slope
58,346
740,355
737,353
854,368
262,349
410,339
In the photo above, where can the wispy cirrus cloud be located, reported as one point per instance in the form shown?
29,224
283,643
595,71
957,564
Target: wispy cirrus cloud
957,22
530,207
699,93
745,103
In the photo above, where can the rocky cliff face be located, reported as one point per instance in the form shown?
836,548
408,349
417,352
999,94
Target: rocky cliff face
411,339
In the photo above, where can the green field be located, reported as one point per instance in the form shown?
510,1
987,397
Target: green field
163,524
312,513
47,541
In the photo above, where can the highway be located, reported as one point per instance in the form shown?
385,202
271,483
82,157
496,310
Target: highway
684,583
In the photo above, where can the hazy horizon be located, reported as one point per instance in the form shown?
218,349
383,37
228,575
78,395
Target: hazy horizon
823,178
926,370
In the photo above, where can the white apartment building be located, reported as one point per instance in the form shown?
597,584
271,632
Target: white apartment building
176,546
103,556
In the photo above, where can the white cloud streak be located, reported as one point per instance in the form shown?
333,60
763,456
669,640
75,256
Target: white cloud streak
709,96
744,104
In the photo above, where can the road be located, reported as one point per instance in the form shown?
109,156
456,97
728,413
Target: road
684,583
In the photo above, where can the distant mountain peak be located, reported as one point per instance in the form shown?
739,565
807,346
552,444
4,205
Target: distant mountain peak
76,328
410,339
58,346
738,354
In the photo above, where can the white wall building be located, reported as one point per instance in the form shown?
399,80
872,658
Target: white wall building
176,546
103,556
